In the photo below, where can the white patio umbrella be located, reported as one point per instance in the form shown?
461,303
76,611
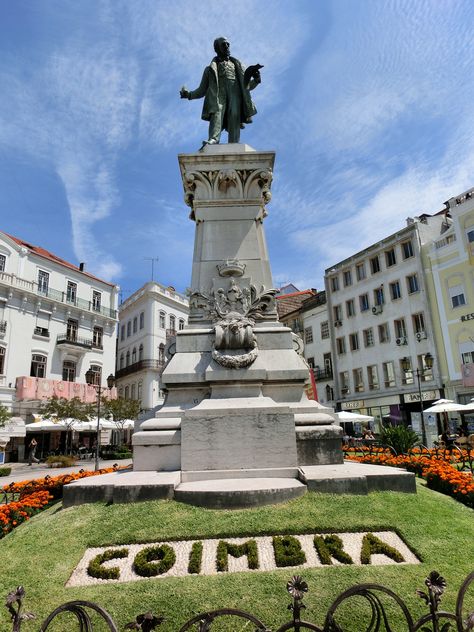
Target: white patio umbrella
345,416
469,408
445,406
91,426
44,424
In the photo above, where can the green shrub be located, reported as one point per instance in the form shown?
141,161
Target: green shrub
154,560
5,471
224,549
95,568
372,545
195,559
329,547
61,461
288,551
400,438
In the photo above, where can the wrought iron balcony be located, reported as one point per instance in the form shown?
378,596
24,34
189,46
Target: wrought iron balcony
75,341
170,333
322,374
141,365
41,331
3,326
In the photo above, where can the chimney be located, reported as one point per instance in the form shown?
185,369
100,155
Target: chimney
82,265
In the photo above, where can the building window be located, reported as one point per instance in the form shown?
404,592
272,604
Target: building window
337,310
418,323
122,360
122,332
379,296
369,337
43,282
139,391
390,258
364,302
129,329
2,360
325,330
344,381
134,355
456,295
140,353
358,376
400,328
127,359
384,333
120,392
334,283
97,377
350,308
466,357
133,391
96,300
360,271
395,291
407,249
135,325
412,284
127,392
161,354
388,374
427,374
308,335
69,371
71,292
341,345
372,377
38,365
375,264
162,320
142,320
71,329
310,362
407,376
354,341
347,278
172,322
3,262
181,324
97,336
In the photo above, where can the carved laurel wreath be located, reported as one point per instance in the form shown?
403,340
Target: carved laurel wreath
240,361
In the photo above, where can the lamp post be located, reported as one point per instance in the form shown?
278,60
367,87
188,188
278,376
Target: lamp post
90,377
406,366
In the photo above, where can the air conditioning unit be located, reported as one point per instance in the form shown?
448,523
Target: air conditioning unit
377,309
401,341
421,335
338,323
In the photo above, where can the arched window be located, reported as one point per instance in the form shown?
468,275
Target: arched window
134,355
2,360
142,320
127,392
181,324
133,391
135,325
162,320
140,353
127,358
97,371
122,360
172,322
129,328
38,365
161,353
69,371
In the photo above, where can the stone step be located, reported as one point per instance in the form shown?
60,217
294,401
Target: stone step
239,493
205,475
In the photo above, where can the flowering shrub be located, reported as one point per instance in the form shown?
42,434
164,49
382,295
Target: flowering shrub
437,467
31,496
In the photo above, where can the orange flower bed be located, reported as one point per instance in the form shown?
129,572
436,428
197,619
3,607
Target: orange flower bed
35,495
440,474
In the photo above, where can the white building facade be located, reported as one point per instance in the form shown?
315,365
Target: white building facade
379,314
56,322
148,321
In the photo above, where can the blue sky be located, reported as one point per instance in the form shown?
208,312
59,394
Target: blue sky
368,104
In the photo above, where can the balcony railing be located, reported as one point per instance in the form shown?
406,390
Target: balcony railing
76,341
170,333
56,295
41,331
141,365
322,374
3,326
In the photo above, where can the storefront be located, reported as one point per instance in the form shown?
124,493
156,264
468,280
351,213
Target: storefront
12,440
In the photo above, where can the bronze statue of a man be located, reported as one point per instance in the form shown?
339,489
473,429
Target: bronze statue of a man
225,86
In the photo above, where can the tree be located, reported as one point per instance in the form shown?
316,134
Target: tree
119,410
4,415
66,412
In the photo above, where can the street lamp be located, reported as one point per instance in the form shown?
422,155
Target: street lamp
90,379
406,366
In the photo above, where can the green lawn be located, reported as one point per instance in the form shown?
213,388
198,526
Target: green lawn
42,553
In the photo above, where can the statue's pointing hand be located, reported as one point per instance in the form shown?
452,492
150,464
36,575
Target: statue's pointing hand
253,72
184,93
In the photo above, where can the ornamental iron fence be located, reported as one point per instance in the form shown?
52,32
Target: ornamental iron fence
369,607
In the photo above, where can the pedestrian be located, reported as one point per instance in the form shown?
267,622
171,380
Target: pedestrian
32,452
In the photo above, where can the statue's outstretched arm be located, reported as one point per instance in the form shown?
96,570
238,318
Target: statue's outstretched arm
203,86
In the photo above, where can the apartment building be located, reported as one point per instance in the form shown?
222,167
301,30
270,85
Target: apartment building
381,325
148,321
450,260
57,321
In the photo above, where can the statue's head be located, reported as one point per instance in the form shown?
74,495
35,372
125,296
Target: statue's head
222,46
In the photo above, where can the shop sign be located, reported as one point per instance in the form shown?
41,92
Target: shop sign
467,317
355,404
426,396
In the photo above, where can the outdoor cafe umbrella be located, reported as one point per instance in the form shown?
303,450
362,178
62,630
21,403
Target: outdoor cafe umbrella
469,408
346,416
445,406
